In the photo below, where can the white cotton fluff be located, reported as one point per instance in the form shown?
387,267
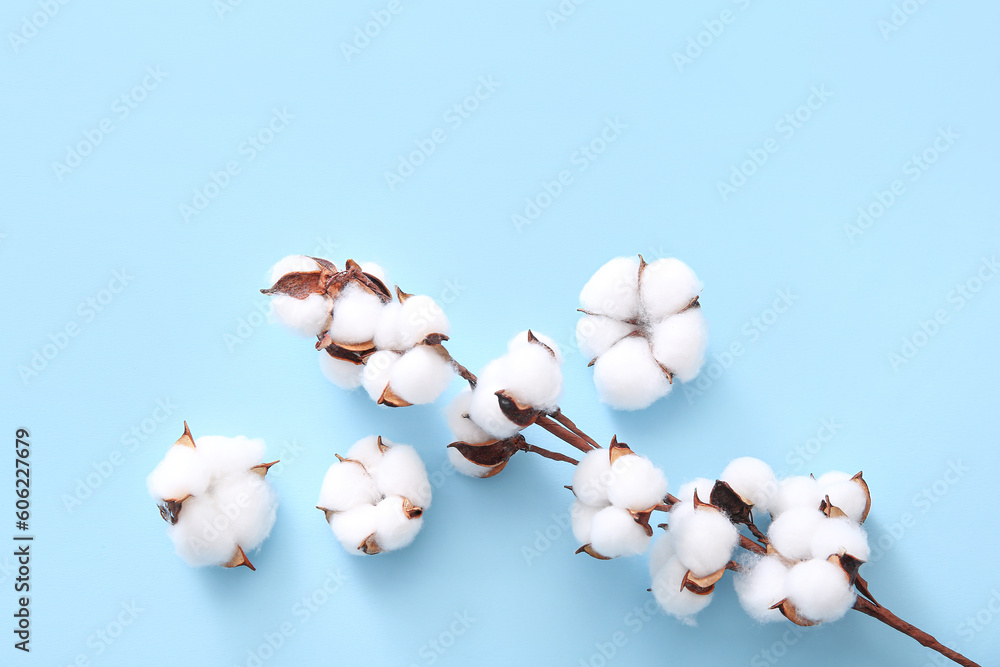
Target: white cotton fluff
181,473
595,334
581,518
614,289
628,378
679,343
663,550
614,533
420,375
388,330
704,538
667,285
753,480
464,465
839,536
373,269
760,585
530,375
792,532
847,495
344,374
375,376
292,264
819,590
356,314
591,478
463,429
354,526
222,456
636,484
201,536
702,485
484,406
346,485
402,473
674,599
521,340
393,529
367,452
798,491
419,317
250,504
307,317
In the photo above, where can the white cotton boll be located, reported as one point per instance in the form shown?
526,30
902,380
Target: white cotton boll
419,317
581,518
222,455
249,505
679,343
373,269
346,485
293,264
356,314
849,496
367,452
591,478
637,484
704,539
799,491
344,374
402,473
462,427
628,378
196,537
614,533
389,329
181,472
837,536
420,375
667,286
484,406
393,529
792,532
614,289
521,340
819,590
532,377
375,376
595,334
761,585
830,478
702,485
354,526
464,465
307,317
753,480
662,551
674,599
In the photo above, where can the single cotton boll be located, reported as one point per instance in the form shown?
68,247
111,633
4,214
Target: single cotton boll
667,285
222,455
662,551
637,483
595,334
373,269
614,289
484,406
614,533
702,485
293,264
849,497
794,492
420,375
344,374
389,329
792,532
462,428
345,486
679,343
591,478
355,315
837,536
402,473
367,452
628,378
250,506
464,465
753,480
393,529
354,526
181,473
375,376
419,317
819,590
307,317
674,599
196,537
581,517
704,539
761,585
521,340
532,376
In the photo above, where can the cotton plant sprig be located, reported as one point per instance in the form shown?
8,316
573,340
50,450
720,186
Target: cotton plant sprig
643,326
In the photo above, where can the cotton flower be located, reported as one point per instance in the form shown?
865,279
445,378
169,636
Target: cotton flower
819,590
673,596
644,327
760,585
213,494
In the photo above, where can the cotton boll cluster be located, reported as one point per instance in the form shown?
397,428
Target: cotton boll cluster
643,327
214,495
389,344
616,491
375,497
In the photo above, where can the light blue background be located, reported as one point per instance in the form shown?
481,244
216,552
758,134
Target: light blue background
319,188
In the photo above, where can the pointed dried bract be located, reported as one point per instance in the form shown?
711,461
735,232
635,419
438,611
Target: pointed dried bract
185,440
702,585
731,504
493,454
170,510
239,558
370,547
521,415
859,479
299,285
830,510
261,469
788,610
391,399
616,450
589,550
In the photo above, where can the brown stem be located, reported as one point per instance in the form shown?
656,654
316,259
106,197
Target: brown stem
882,614
750,545
756,532
555,456
563,433
462,371
561,417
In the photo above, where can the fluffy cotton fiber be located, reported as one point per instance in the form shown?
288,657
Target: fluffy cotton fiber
355,315
672,597
344,374
760,585
753,480
462,427
614,533
819,590
627,376
703,537
307,317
